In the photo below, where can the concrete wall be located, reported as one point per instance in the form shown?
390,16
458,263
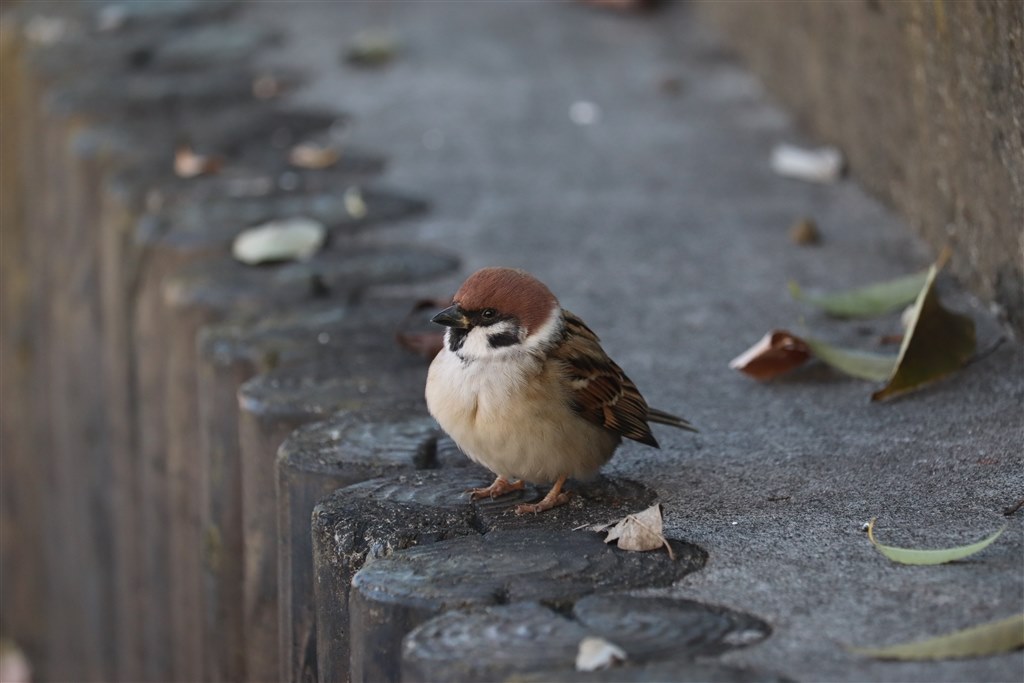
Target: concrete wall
926,98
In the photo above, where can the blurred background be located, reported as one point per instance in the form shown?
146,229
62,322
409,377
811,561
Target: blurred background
595,143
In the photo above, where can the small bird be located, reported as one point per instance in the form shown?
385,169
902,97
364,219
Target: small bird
525,389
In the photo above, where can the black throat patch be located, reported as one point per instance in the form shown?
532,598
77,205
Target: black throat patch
456,338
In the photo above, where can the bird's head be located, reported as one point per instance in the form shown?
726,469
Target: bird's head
499,312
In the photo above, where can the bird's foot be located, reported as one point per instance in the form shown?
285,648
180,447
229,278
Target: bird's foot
556,496
546,503
500,487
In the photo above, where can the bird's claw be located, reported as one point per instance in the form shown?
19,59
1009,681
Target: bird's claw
500,487
545,503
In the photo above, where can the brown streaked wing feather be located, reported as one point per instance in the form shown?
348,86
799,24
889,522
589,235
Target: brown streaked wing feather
601,391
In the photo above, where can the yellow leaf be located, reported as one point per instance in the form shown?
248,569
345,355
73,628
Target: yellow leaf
941,556
865,302
978,641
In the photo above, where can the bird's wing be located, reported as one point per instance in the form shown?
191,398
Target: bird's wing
600,390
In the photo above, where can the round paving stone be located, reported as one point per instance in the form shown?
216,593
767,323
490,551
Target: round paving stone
393,595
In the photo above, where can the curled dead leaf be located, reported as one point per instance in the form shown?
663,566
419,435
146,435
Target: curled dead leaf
596,653
887,339
937,342
805,232
776,353
295,239
314,156
640,532
780,351
189,164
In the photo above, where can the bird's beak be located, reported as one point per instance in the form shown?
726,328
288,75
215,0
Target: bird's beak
452,317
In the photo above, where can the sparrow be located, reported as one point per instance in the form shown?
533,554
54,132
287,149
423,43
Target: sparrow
524,388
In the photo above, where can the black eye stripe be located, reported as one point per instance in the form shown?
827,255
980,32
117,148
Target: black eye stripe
496,341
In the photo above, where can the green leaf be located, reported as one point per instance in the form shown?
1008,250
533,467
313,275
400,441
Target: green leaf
992,638
913,556
875,367
865,302
937,343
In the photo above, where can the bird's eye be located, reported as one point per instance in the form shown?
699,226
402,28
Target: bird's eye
488,313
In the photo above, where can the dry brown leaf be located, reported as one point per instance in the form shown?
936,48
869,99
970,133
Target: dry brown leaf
640,532
423,342
776,353
188,164
888,339
780,351
314,156
805,232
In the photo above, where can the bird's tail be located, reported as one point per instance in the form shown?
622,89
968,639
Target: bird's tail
661,417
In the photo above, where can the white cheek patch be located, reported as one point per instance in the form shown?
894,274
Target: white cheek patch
478,341
547,333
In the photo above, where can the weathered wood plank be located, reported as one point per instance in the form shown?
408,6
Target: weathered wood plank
204,293
313,461
22,518
272,406
229,354
101,471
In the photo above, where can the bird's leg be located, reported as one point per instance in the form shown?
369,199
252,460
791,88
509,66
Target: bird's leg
556,496
500,487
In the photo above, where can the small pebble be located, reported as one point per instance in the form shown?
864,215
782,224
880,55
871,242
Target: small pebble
805,232
671,85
